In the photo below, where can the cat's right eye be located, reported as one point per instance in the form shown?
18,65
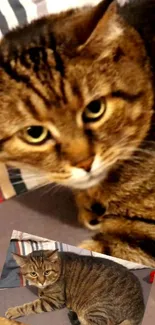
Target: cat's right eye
94,111
35,134
47,272
33,274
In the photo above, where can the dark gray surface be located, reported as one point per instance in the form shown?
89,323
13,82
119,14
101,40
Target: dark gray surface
149,317
143,276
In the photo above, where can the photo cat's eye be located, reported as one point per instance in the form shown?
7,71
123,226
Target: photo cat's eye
94,111
33,274
35,134
47,272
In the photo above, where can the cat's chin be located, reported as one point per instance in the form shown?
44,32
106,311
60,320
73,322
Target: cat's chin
85,185
82,180
40,286
88,181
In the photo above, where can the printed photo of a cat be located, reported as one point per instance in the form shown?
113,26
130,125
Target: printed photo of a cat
77,104
95,290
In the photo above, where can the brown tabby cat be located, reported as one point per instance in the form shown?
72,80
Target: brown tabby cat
98,291
77,103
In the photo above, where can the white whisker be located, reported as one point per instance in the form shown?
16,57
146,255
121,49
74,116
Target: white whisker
27,177
22,181
50,188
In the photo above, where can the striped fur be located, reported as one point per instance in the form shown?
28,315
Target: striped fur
122,208
99,292
4,321
57,69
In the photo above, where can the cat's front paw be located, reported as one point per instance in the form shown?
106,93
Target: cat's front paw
12,313
91,245
40,293
73,318
93,216
89,220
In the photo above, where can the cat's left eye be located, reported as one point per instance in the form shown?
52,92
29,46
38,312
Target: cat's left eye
94,111
35,134
33,274
47,272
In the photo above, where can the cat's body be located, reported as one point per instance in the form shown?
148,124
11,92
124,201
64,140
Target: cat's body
122,207
98,291
122,210
77,103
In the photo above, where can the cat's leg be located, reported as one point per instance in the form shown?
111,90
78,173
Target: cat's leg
118,236
87,319
90,210
36,307
126,322
126,239
116,247
96,321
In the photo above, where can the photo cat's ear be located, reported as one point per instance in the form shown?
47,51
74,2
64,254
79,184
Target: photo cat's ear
20,259
52,255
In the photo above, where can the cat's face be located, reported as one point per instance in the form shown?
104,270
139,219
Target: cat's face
75,112
41,270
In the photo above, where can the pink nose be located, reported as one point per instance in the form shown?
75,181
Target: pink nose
85,164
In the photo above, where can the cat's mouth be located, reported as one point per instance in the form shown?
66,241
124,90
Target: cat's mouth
82,179
38,285
41,286
87,181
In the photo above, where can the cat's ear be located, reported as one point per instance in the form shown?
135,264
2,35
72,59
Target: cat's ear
78,28
52,255
20,259
106,30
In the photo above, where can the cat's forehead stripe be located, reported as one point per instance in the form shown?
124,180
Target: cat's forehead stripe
34,261
33,37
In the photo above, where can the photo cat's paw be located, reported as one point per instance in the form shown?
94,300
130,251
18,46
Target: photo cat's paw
91,245
12,313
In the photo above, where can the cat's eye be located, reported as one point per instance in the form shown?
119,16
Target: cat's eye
94,111
35,134
47,272
33,274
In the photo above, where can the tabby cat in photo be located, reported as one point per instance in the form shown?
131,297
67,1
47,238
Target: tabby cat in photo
98,291
77,104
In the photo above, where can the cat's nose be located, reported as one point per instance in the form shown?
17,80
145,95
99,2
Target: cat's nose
78,153
85,164
42,280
